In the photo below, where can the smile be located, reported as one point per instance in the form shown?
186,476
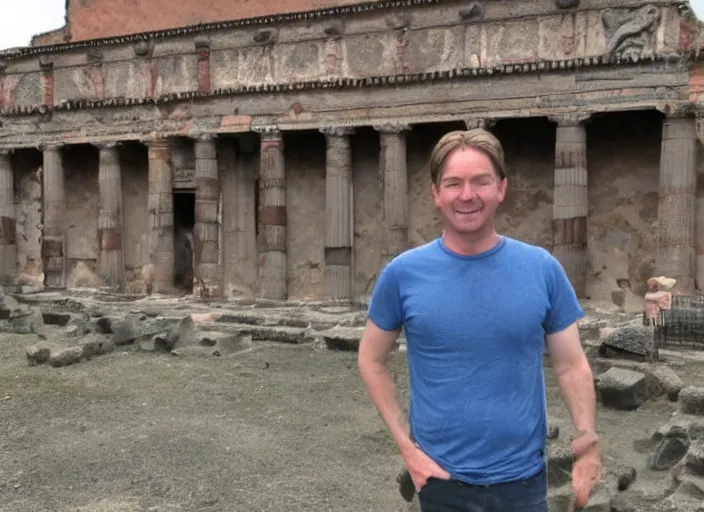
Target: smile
467,212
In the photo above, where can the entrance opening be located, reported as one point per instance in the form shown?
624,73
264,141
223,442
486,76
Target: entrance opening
184,220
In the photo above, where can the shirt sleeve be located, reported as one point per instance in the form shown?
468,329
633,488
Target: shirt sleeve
385,308
564,308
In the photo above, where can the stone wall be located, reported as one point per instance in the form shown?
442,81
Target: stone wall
135,228
91,19
27,166
623,159
82,194
433,38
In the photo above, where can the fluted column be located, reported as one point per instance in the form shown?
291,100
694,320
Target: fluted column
393,170
338,214
110,215
161,215
676,208
206,231
273,278
571,199
8,220
54,238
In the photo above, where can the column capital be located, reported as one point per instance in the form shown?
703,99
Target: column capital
155,141
394,127
570,118
337,131
50,146
678,111
473,123
5,152
268,132
105,144
204,137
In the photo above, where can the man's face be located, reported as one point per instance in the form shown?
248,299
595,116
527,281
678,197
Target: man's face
469,191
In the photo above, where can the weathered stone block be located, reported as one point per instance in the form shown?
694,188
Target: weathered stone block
622,389
37,355
667,378
66,356
631,342
670,450
695,457
692,400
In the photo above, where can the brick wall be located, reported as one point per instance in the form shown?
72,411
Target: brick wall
92,19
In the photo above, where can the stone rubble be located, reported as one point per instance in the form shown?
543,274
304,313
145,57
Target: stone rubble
90,328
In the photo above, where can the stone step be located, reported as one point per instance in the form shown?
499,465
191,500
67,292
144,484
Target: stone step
279,333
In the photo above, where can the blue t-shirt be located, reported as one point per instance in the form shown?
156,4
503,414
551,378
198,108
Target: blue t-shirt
475,328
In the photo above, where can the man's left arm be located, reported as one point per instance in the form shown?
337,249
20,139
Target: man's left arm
574,378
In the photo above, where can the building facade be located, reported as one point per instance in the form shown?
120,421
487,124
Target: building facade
291,148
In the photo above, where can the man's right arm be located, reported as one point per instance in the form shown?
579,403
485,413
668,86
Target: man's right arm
374,349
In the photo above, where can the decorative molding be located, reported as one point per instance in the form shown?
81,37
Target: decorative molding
50,146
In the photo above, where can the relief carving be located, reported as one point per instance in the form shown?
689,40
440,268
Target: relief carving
629,32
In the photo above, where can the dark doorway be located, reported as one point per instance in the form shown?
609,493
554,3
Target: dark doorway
184,220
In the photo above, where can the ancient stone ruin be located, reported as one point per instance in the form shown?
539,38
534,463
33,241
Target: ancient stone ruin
282,157
269,167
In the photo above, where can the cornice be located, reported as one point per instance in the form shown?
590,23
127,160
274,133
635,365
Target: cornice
556,66
260,21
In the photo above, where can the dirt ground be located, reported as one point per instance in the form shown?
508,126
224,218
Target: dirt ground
282,427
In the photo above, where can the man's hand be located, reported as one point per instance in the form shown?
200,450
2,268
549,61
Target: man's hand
586,469
421,467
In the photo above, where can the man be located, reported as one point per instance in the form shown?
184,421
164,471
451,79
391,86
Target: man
478,310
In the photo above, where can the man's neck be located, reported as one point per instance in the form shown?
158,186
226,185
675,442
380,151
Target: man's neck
472,244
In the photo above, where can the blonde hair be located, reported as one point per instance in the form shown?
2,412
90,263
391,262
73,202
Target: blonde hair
478,138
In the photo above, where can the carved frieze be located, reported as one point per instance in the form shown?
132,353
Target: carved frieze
629,32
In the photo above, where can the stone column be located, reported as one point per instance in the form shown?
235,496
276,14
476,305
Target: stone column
54,237
571,200
8,219
206,231
161,215
394,178
676,208
339,206
110,215
273,278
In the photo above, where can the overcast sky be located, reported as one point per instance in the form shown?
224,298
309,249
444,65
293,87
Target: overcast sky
21,19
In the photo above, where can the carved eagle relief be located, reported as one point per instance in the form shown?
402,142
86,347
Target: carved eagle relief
629,31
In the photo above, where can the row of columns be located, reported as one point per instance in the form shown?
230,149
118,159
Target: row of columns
676,215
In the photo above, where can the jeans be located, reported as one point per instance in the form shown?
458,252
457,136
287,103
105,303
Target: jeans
529,495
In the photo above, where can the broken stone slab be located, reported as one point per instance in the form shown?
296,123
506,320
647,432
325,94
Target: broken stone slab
342,338
281,334
691,400
156,343
133,328
671,448
667,378
20,318
630,342
183,334
37,354
622,389
96,345
66,356
559,465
